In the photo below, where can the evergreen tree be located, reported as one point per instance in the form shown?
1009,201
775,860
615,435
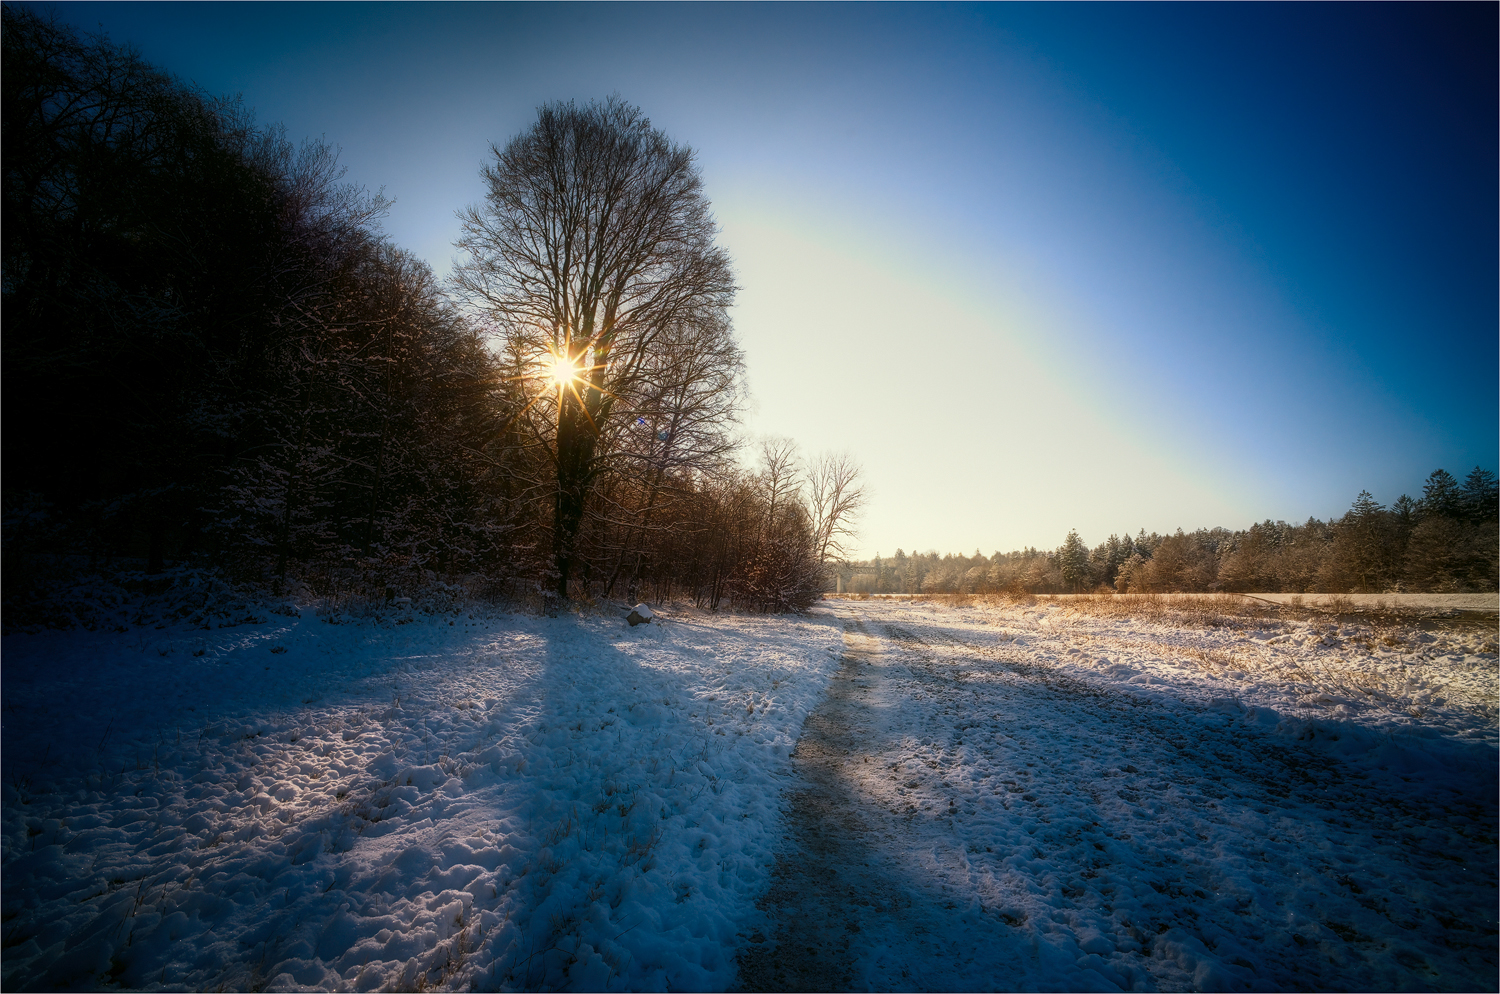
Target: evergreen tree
1364,556
1441,496
1480,497
1073,561
1365,507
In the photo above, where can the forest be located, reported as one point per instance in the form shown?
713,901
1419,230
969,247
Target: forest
1445,541
216,364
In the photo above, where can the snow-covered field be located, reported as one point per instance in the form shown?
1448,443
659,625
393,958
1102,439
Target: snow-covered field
1012,796
1029,797
497,801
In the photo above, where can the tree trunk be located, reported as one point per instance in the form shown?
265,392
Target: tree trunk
375,490
575,452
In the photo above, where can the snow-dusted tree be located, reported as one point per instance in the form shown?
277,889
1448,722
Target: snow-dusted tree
1454,545
1435,555
1364,555
593,253
1301,556
1125,581
941,577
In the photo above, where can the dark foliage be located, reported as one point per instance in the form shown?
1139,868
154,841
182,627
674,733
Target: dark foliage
210,351
214,361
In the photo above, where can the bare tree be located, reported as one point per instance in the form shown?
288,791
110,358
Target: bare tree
781,480
837,495
594,254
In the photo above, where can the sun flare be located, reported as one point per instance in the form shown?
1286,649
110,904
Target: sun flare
561,371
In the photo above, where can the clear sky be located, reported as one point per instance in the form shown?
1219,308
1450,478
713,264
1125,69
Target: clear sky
1042,267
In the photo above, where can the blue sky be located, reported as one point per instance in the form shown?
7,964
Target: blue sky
1038,267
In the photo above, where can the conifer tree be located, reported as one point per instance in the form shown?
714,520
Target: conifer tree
1441,496
1364,554
1073,561
1480,498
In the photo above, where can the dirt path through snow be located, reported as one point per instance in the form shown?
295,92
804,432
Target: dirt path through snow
846,916
817,880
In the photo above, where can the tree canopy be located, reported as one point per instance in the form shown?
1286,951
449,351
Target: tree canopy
593,256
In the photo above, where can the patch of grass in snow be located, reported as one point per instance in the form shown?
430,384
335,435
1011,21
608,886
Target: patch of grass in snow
1387,662
1196,610
1215,610
1200,610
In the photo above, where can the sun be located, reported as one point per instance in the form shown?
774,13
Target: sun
560,370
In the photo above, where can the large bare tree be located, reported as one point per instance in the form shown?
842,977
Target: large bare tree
594,254
837,495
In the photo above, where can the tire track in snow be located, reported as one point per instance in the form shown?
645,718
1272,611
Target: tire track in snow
809,898
845,912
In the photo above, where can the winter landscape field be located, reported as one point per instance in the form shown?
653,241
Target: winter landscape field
482,513
1053,794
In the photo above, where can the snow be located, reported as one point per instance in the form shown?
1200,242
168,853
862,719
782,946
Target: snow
496,801
912,795
1066,802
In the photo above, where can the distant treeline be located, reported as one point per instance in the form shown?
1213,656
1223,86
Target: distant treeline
212,357
1445,541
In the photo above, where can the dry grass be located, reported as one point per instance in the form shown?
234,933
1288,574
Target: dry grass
1240,610
1200,610
1215,610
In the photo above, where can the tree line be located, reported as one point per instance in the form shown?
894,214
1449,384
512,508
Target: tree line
213,357
1444,541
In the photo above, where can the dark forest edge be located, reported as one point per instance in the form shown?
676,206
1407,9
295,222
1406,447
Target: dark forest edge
1444,542
220,376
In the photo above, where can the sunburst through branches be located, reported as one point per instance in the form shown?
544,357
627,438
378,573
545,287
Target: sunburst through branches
559,369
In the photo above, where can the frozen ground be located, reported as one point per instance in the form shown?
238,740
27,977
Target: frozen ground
1030,798
1008,797
491,802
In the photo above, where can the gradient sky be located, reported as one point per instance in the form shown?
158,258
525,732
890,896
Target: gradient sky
1037,267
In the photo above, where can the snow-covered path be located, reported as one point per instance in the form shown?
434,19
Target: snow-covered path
978,811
